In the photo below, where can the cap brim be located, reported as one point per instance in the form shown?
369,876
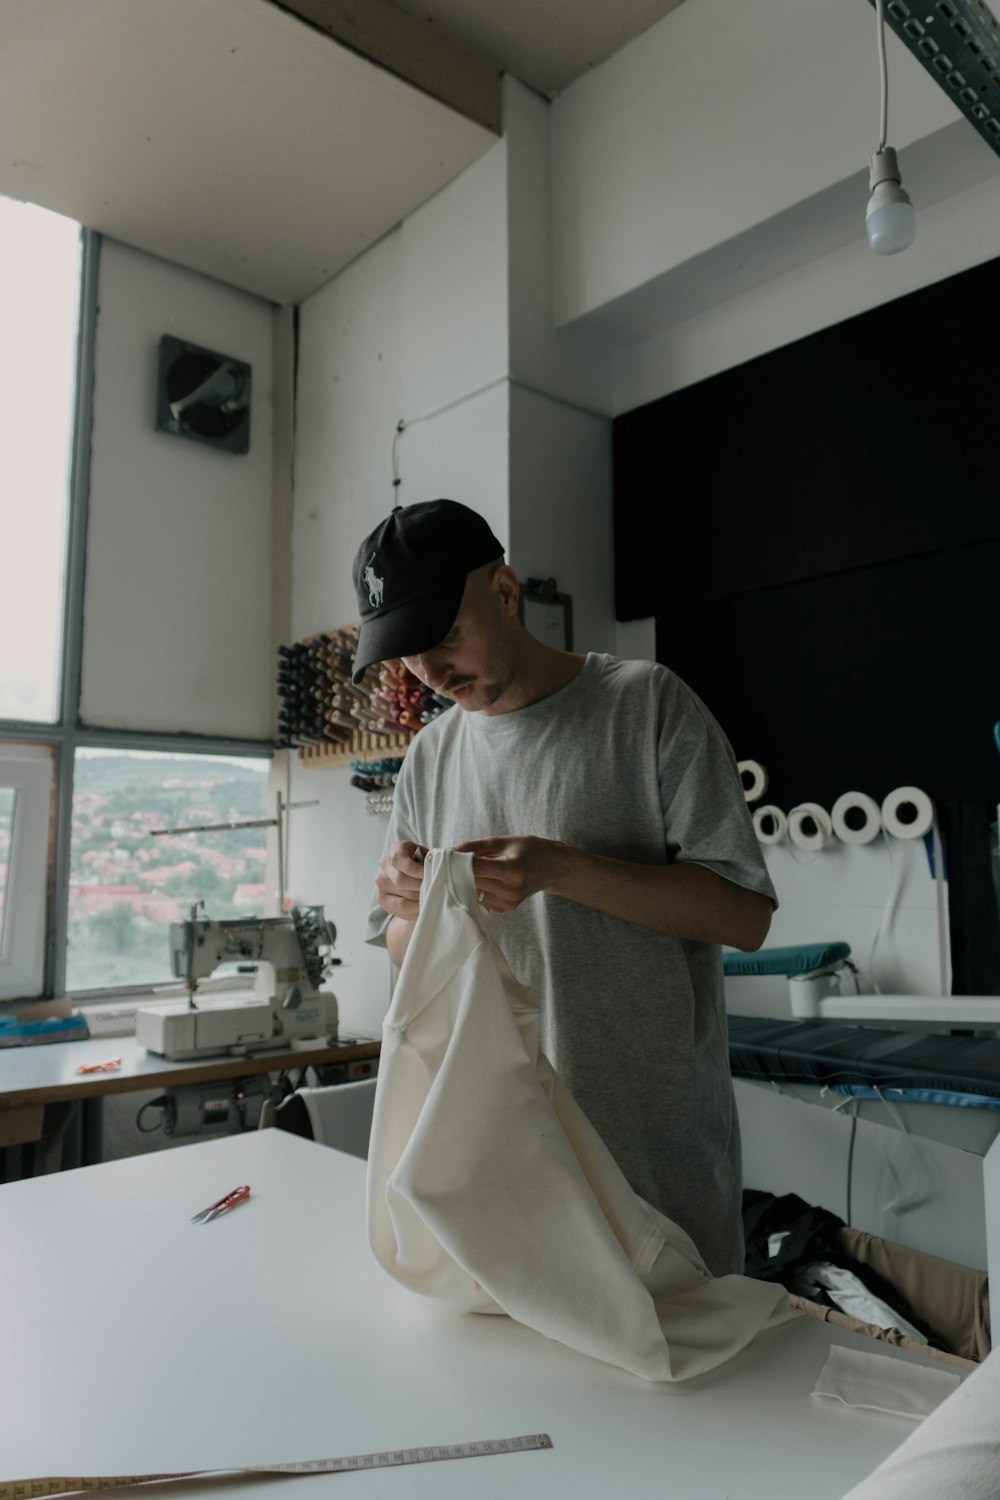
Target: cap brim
419,625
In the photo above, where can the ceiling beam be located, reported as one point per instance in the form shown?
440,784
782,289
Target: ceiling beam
414,51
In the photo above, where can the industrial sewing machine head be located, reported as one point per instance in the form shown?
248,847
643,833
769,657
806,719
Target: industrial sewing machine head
291,956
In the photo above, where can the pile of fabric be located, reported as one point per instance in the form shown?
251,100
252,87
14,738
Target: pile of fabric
899,1294
489,1190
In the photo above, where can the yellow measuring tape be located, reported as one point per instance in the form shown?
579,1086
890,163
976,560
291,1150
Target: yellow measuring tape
389,1458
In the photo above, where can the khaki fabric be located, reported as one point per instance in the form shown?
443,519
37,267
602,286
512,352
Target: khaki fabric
951,1299
872,1331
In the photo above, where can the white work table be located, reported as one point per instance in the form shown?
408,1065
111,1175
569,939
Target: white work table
46,1073
136,1342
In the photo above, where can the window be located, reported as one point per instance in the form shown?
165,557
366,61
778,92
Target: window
26,784
86,891
39,314
128,882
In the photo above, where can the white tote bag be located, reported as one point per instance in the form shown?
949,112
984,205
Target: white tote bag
489,1190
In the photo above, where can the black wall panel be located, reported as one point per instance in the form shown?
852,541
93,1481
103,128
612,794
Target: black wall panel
818,535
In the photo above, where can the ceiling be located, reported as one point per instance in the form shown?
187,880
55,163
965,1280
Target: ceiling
544,43
268,142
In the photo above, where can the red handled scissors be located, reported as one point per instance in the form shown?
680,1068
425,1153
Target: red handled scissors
222,1206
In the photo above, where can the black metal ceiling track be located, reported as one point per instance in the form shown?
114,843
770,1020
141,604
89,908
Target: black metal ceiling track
958,42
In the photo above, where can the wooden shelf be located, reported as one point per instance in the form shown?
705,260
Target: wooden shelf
363,744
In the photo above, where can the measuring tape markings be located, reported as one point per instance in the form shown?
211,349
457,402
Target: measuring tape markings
389,1458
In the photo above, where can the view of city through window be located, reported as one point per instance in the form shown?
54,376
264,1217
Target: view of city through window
127,886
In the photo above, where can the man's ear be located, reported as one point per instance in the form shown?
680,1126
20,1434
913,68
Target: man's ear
508,588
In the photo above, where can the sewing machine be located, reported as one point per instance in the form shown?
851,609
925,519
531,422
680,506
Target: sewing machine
291,958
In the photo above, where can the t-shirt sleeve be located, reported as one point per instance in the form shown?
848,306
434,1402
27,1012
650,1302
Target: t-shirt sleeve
400,828
705,816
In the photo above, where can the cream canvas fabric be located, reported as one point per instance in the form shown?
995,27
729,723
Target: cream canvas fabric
488,1189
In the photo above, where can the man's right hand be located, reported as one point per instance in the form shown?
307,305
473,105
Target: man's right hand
401,874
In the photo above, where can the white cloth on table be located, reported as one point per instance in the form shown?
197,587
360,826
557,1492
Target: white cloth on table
882,1383
489,1190
953,1455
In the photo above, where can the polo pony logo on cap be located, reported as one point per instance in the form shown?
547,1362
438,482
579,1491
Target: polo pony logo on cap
375,585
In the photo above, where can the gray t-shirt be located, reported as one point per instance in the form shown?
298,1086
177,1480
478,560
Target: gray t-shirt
624,761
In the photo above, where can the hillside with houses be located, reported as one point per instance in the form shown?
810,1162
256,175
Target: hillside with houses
127,883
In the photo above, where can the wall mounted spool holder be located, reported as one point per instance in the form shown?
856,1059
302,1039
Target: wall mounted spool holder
357,743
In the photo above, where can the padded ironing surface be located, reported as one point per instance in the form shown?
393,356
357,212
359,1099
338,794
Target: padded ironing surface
803,958
917,1096
836,1052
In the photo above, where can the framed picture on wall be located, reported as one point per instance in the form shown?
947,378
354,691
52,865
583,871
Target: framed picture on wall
547,614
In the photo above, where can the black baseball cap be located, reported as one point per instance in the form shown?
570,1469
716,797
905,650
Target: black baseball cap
410,576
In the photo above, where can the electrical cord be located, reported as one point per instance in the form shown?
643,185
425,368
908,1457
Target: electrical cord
404,423
850,1160
883,73
159,1103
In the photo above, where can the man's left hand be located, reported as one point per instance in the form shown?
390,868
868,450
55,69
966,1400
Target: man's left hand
683,900
510,869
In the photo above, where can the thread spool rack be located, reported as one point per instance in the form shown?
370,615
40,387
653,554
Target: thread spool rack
330,720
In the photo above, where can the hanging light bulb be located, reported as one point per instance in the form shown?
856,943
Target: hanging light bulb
889,219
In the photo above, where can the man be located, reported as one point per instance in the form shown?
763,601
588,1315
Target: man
610,835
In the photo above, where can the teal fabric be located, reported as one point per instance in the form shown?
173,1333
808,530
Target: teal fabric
57,1029
801,959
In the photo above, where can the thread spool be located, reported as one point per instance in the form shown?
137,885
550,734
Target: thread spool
770,824
856,818
908,813
810,827
754,779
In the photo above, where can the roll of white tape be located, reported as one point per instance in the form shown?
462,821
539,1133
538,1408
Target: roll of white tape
907,813
856,818
754,779
809,826
770,825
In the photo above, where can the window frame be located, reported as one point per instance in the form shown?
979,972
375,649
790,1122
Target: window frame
68,734
29,771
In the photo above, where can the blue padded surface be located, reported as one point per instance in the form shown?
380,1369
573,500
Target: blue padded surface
918,1096
801,959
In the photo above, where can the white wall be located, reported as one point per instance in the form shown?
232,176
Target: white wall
560,435
560,517
709,184
881,898
718,119
914,1192
177,609
573,364
952,236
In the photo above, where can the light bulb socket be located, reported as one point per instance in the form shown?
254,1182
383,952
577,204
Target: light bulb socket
884,168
